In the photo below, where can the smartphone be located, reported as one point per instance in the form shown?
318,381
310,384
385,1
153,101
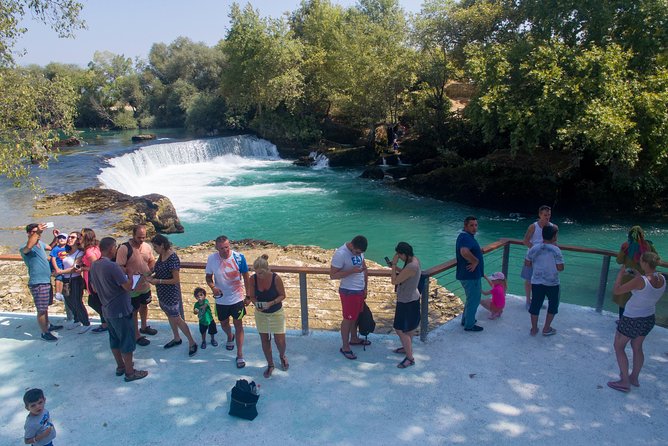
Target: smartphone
388,261
49,224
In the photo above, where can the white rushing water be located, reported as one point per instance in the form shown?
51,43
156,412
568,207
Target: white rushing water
203,175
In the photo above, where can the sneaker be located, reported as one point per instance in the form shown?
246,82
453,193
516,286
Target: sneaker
100,329
48,336
84,329
72,325
474,328
143,341
148,330
54,327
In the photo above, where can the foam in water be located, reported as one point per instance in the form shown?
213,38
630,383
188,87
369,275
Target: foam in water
202,176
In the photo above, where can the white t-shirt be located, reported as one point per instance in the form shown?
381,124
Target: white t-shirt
228,276
345,260
544,259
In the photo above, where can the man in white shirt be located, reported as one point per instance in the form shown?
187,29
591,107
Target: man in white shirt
227,276
349,266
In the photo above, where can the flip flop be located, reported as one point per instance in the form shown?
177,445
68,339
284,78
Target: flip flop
550,333
348,353
615,385
399,351
361,342
230,344
241,363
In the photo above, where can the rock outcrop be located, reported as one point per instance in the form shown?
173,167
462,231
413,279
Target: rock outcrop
155,210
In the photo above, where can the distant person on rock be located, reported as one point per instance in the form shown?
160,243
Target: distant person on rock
349,266
534,236
546,262
137,255
227,276
629,256
470,269
112,284
638,319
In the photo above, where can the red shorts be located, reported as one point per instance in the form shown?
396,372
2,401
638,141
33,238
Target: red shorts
352,303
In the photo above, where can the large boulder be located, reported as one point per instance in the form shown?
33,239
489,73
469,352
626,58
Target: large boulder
154,210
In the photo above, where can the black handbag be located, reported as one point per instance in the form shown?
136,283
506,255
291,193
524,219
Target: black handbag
244,400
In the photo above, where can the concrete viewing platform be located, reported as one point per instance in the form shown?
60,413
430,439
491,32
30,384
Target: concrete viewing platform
497,387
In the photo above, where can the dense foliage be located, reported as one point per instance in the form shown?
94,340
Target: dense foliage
572,92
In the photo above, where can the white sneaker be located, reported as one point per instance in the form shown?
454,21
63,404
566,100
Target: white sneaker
84,329
72,325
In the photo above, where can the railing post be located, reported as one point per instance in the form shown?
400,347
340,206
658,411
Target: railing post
506,258
304,302
603,283
424,309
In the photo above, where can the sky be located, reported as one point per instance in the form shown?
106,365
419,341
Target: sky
131,27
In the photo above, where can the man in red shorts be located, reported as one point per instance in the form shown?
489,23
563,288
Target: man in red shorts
348,265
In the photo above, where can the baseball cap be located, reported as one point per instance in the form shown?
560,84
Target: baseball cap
497,276
62,236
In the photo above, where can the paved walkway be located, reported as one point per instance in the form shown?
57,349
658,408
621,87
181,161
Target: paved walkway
496,387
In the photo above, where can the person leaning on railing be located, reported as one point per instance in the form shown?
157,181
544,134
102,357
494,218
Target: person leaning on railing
629,256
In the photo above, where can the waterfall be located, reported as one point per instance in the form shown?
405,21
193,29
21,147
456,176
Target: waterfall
131,172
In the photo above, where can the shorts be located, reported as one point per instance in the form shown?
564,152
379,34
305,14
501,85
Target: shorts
237,311
633,327
270,322
122,334
211,328
59,277
539,293
142,299
407,316
42,295
352,303
527,272
175,310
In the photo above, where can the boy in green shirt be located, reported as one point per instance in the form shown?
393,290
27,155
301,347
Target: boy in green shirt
206,322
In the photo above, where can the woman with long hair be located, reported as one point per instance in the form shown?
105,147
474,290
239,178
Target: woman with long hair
629,256
638,320
167,281
407,313
73,283
267,293
91,254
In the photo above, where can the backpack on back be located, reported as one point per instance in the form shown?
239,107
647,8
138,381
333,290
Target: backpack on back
130,249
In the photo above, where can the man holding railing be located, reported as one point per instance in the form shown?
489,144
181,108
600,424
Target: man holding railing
470,269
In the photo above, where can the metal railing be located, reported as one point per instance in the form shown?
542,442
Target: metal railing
318,299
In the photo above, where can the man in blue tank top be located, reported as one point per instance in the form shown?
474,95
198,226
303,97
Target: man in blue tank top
470,269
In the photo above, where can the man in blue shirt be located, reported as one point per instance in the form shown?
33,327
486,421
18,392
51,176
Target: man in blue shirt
470,269
39,277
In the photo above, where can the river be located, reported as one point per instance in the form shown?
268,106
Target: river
240,187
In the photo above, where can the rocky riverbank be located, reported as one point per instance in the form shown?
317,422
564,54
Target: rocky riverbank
324,308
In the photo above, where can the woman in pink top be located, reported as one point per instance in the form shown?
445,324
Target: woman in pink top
91,254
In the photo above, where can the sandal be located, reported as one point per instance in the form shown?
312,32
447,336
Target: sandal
138,374
406,363
270,369
284,363
192,350
348,353
399,351
203,345
120,371
173,343
230,344
241,363
214,343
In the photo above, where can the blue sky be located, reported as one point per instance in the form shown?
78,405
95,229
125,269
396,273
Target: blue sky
130,27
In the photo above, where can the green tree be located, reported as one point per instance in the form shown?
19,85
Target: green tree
34,110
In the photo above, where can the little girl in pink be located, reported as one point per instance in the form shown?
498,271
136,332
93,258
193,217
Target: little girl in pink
495,305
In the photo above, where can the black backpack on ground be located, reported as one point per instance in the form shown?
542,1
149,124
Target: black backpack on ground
365,322
244,400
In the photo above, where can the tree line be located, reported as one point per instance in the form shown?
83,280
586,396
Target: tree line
581,84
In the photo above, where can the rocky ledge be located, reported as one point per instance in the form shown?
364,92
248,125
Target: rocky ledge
154,210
